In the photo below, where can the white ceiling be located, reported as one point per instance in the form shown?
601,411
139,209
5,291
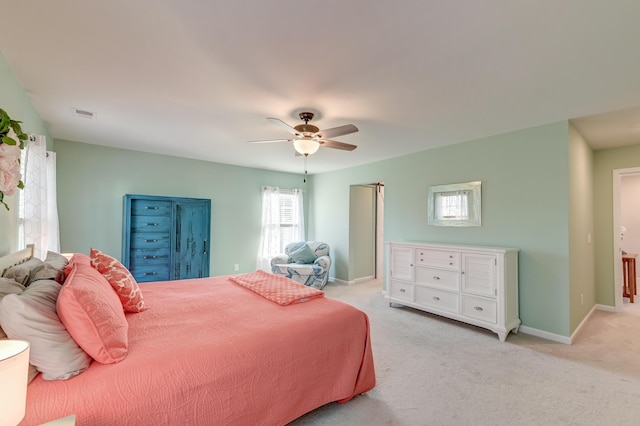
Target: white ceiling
198,78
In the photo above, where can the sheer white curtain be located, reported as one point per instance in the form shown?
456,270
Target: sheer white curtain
282,223
38,211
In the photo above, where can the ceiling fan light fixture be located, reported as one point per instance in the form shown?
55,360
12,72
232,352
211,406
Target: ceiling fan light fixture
306,146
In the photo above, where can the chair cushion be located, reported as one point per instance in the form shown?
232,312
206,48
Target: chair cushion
302,254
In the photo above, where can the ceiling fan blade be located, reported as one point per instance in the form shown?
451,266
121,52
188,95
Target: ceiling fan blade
337,145
337,131
271,140
282,124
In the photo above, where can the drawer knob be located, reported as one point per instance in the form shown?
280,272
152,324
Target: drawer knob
151,208
150,241
421,260
450,257
436,298
402,290
478,308
150,273
436,278
152,224
450,263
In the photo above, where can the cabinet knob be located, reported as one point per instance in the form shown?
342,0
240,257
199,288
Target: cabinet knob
402,290
411,264
478,308
436,298
450,263
450,256
436,278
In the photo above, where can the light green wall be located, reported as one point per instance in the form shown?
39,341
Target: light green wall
525,191
581,225
605,162
92,180
14,100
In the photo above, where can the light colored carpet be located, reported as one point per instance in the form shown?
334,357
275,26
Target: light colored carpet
435,371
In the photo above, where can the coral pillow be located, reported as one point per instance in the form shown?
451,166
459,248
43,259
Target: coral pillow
75,259
120,279
92,313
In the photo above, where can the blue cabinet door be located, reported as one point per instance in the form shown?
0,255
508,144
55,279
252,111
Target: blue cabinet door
192,239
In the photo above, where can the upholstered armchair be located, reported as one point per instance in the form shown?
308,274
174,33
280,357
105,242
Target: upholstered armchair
306,262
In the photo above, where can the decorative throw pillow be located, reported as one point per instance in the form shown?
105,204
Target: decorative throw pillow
93,315
120,279
302,254
20,273
75,259
31,316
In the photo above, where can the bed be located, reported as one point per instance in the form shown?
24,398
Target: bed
211,351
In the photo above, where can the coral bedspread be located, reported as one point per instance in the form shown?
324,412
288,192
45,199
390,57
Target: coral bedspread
208,351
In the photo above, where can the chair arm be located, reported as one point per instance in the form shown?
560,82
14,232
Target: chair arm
280,259
323,262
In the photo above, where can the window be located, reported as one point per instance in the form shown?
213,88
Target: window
282,222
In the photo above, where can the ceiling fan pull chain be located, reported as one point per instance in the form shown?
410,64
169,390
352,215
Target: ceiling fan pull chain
305,169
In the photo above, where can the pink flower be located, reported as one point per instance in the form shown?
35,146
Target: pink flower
9,180
9,151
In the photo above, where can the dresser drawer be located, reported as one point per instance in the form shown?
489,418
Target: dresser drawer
440,278
479,308
439,299
150,224
150,240
150,273
438,258
141,207
149,257
402,291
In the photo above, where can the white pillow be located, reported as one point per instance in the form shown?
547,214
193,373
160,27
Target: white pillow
31,316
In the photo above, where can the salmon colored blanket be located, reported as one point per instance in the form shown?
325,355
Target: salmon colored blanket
209,352
278,289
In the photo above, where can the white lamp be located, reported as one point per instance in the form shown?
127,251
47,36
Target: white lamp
14,372
306,146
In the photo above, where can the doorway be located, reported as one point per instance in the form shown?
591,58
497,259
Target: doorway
366,232
625,181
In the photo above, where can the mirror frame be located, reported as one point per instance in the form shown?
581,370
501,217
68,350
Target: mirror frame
474,205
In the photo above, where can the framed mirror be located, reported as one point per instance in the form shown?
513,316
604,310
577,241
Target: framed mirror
457,204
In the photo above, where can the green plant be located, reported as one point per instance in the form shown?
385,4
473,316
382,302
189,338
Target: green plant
12,140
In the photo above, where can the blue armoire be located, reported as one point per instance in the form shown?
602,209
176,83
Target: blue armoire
166,238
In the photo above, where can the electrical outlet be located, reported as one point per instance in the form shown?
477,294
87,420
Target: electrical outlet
236,267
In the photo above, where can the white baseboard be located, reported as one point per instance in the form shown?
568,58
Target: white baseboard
545,334
352,282
606,308
564,339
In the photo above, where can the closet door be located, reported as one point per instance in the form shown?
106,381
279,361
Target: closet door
192,238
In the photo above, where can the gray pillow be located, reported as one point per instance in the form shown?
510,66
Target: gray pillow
31,316
51,269
20,273
9,286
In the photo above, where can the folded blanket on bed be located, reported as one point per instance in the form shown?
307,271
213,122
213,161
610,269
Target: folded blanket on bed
276,288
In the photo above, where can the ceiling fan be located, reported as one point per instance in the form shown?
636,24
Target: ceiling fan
309,138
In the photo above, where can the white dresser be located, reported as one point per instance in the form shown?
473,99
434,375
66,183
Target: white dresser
476,285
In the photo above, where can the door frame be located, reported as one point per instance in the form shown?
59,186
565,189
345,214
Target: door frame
616,223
